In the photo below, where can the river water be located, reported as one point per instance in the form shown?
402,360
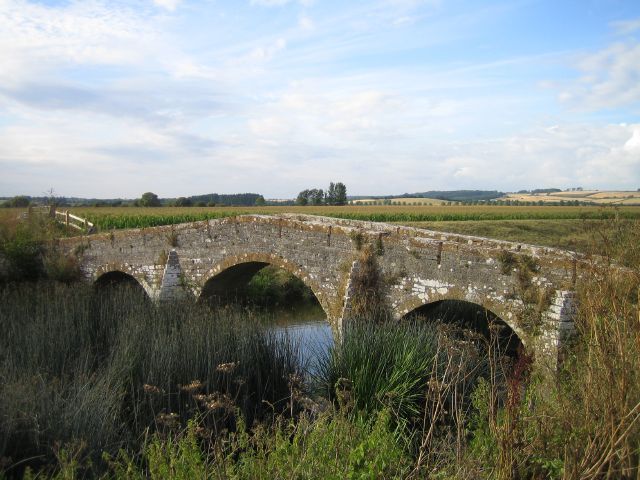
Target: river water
307,327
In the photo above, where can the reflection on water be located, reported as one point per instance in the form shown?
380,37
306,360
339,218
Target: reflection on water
307,328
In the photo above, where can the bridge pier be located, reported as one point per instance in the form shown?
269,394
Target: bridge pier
558,328
172,286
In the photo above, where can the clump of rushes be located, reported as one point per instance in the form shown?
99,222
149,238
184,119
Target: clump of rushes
392,366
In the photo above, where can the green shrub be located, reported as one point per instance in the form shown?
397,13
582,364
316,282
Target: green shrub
330,446
275,286
22,250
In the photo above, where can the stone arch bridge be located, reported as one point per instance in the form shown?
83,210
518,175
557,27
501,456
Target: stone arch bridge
417,266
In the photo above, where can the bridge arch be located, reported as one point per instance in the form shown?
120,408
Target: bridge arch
471,316
500,310
240,268
121,274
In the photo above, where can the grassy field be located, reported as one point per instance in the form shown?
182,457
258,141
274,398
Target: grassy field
568,234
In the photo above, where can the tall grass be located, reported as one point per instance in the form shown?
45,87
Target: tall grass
592,414
584,421
77,366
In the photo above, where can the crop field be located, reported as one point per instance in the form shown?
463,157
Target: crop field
127,217
597,197
108,218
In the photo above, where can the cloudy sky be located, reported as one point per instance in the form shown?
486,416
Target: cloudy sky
113,98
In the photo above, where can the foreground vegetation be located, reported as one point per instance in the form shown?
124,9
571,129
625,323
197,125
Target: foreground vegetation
181,391
151,389
127,370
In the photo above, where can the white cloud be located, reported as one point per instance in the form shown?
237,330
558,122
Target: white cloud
270,127
305,23
404,20
266,53
610,78
625,27
280,3
564,156
170,5
633,144
35,38
270,3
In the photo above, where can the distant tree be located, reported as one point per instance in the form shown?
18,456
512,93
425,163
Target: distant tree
183,202
260,202
340,194
330,196
336,194
303,198
149,199
18,201
316,196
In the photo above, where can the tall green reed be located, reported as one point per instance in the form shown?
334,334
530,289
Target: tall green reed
74,365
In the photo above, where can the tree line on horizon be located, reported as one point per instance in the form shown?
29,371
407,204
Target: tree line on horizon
336,194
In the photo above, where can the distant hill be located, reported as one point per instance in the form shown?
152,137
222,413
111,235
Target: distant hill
592,197
458,195
233,199
446,195
398,201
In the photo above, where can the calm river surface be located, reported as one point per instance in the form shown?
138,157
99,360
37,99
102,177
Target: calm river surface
308,328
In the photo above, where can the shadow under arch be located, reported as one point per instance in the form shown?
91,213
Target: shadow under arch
114,279
228,277
471,316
